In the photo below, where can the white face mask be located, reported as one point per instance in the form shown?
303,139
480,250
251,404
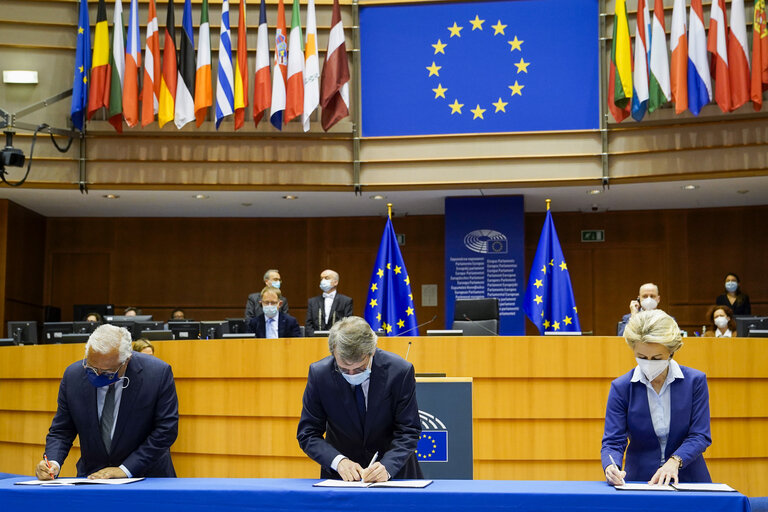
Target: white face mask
325,285
652,368
648,304
359,378
731,286
270,311
721,322
275,284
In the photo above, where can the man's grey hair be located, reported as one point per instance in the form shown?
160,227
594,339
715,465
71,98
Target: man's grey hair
107,338
654,326
334,275
352,339
270,271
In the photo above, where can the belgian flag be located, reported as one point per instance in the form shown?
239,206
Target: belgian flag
99,63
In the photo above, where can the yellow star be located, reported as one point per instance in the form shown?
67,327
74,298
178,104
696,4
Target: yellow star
522,66
388,328
455,30
500,106
384,326
85,79
378,317
556,326
389,266
517,88
478,112
408,281
410,296
456,107
544,268
374,287
537,283
515,44
439,47
80,68
401,323
440,91
563,266
380,273
546,324
433,69
567,320
551,263
538,299
80,30
397,269
542,314
477,23
409,311
498,28
373,303
575,310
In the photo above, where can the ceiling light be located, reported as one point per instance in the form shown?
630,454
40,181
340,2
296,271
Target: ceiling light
594,191
111,196
19,76
201,196
290,197
378,197
690,187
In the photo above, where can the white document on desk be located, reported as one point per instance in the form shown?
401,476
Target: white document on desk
644,487
410,484
80,481
704,487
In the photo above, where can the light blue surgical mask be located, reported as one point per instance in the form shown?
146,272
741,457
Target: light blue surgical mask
731,286
325,285
275,284
357,378
270,311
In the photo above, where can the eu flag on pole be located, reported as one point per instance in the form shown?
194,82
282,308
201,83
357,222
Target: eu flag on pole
390,302
82,66
549,301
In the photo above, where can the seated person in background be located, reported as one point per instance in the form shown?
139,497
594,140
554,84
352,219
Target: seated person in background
143,346
271,323
328,308
648,298
131,311
720,322
177,314
733,297
660,407
93,317
253,306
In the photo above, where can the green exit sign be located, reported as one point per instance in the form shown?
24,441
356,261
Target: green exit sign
593,235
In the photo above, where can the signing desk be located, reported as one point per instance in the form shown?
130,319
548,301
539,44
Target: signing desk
207,494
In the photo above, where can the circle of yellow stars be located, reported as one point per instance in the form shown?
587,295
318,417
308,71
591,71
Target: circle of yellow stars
499,105
538,299
430,453
374,303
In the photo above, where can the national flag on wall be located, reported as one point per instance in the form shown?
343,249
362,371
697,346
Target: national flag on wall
678,43
98,93
294,104
717,45
620,73
203,94
167,106
280,71
311,68
116,69
185,83
241,70
659,89
132,67
262,88
82,66
759,80
150,91
699,83
642,60
225,95
738,55
390,306
334,85
549,301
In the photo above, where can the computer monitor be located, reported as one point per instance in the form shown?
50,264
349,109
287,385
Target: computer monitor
122,318
321,334
52,331
237,325
157,335
84,327
6,342
74,338
140,327
758,333
213,330
185,330
24,332
79,311
744,324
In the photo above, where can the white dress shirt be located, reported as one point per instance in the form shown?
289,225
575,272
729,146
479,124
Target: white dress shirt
660,403
327,303
726,334
365,385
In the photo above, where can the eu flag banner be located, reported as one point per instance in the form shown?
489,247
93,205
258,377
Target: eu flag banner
390,305
82,66
549,301
479,67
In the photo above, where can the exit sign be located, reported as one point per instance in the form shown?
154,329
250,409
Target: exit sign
593,235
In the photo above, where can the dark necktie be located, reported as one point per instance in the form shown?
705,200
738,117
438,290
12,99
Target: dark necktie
360,399
108,417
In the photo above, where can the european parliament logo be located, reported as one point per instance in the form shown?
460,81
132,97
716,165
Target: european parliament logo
486,241
433,444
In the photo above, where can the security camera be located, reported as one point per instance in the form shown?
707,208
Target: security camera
10,156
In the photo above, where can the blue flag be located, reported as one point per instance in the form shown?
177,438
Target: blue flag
82,67
549,301
390,302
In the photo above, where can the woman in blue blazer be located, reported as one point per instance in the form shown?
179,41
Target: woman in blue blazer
660,407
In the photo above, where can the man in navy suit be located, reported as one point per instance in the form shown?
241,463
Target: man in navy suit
123,406
363,400
328,308
272,323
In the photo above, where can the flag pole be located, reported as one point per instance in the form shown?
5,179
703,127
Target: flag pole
548,203
389,210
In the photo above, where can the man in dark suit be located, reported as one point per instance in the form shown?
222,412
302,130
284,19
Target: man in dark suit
328,308
271,323
123,406
363,400
253,305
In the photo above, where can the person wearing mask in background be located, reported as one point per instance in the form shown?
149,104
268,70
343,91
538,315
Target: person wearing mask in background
648,299
721,322
659,407
328,308
733,297
271,323
144,346
253,305
177,314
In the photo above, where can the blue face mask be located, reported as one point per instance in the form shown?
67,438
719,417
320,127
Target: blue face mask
270,311
731,286
102,380
359,378
275,284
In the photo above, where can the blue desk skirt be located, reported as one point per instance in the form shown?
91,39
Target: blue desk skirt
238,494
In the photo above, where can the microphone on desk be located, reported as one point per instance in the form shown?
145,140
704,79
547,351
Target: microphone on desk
480,325
408,351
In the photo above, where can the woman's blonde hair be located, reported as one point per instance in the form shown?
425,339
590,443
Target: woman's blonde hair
654,326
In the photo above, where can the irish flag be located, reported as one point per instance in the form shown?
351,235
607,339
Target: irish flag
203,93
294,105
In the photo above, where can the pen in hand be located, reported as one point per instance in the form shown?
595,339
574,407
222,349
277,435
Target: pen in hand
373,460
617,466
47,463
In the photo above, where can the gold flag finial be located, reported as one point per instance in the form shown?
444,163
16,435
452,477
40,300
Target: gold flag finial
389,210
548,203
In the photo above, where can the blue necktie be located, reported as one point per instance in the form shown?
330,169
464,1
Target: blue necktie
271,328
360,399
